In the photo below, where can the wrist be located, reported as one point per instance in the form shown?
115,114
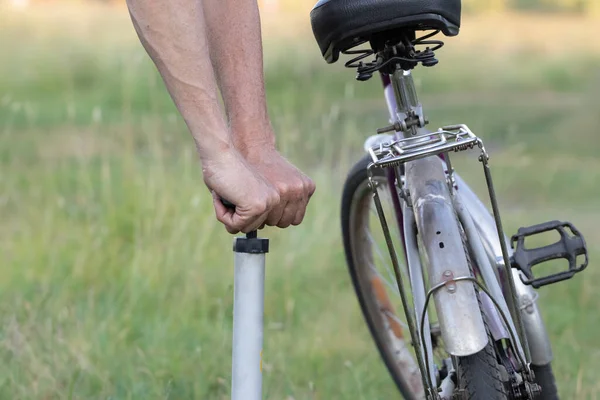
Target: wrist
214,163
211,135
213,148
255,140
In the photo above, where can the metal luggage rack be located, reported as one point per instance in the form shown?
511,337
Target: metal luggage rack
449,138
452,138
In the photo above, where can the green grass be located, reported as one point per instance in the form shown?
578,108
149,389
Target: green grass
115,279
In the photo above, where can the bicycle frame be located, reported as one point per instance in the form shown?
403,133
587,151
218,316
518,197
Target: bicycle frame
529,337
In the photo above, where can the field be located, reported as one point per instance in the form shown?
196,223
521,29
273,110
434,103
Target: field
115,279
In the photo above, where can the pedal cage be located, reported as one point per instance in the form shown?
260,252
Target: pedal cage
569,247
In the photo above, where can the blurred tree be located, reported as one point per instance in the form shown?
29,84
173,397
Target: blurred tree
578,6
566,5
592,7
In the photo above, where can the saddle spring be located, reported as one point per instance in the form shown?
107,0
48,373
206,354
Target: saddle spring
403,52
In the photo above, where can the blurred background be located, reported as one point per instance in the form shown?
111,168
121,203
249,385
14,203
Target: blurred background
115,278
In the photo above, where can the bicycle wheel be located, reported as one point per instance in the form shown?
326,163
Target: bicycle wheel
373,278
375,285
544,376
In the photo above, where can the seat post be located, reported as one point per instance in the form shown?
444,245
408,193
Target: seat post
409,110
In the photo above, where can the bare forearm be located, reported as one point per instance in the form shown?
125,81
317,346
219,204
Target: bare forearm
173,33
236,51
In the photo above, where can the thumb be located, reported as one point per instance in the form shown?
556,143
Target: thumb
224,215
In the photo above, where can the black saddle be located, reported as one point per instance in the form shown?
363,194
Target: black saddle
341,24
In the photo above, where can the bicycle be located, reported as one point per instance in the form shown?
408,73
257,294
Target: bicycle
484,337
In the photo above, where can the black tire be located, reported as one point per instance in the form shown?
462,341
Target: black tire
479,374
545,378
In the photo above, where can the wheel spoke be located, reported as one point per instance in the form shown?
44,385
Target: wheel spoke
395,318
383,260
378,282
387,283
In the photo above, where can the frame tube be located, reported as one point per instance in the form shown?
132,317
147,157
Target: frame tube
485,268
460,319
535,330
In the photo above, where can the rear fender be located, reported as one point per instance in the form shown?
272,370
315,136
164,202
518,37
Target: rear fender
457,306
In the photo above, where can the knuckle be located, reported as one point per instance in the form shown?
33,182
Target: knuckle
310,186
283,187
299,187
274,199
260,207
265,204
295,190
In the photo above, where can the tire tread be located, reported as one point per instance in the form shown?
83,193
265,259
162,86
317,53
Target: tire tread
479,376
544,376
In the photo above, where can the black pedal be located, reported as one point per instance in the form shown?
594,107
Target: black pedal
570,246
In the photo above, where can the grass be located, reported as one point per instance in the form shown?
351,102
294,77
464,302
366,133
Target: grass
115,279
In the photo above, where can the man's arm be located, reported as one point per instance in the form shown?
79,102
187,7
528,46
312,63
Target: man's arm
173,33
236,52
233,28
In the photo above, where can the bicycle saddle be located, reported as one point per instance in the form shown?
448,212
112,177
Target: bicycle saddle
341,24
